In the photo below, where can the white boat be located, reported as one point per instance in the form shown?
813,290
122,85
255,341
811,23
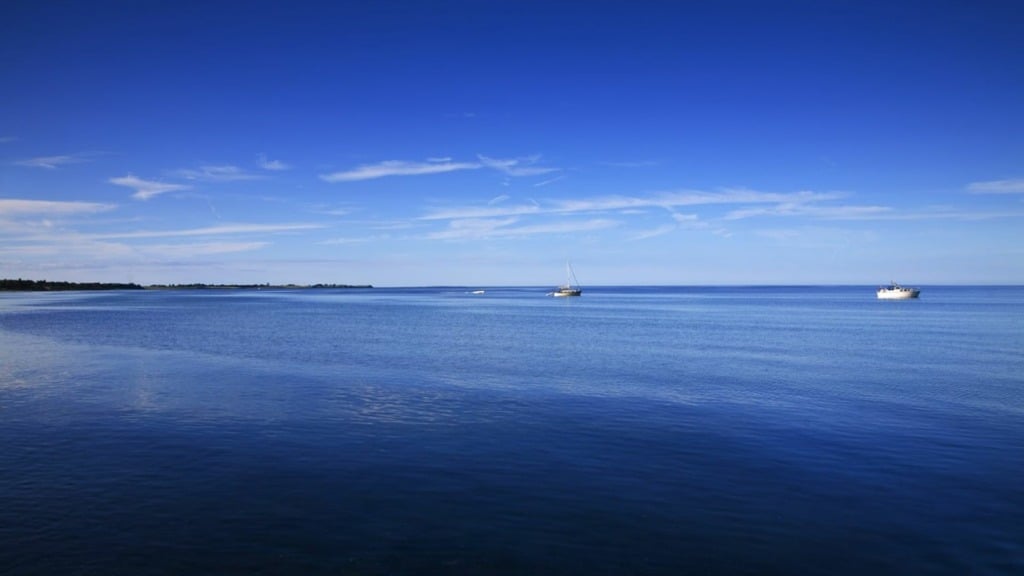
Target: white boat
896,292
571,286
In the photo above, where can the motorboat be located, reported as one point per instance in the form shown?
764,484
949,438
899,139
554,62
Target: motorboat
896,292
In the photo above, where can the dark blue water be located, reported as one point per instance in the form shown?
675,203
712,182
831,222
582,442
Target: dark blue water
430,431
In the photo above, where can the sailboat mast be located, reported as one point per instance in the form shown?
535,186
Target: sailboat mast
570,276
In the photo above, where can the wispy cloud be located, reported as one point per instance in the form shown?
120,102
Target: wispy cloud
356,240
622,204
70,247
821,212
505,228
146,189
685,218
78,249
200,249
516,166
965,215
779,234
396,168
335,211
659,231
273,165
549,181
509,166
6,139
493,220
54,162
14,206
211,231
1014,186
491,211
471,228
671,200
221,173
43,240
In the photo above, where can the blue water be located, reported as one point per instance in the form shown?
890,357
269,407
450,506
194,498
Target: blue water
781,430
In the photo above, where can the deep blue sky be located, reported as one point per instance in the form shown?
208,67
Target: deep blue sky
487,142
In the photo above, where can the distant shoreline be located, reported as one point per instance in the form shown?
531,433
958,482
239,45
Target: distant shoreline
252,286
20,285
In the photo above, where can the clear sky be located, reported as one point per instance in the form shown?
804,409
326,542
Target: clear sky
486,142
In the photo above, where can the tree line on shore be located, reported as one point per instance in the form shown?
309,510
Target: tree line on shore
51,286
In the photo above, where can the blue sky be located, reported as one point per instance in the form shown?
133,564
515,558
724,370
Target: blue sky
487,142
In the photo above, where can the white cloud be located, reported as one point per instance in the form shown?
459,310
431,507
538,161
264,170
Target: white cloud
516,166
203,249
510,167
146,189
212,230
6,139
31,242
335,211
396,168
634,204
938,214
823,212
779,234
607,203
53,162
669,200
482,212
1015,186
12,206
659,231
558,228
273,165
472,228
66,246
487,221
223,173
84,248
359,240
549,181
503,228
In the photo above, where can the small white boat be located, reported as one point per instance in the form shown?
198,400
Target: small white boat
569,288
896,292
477,292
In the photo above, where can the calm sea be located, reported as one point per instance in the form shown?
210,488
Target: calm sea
780,430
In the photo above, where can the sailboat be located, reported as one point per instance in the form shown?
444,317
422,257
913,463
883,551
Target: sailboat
571,286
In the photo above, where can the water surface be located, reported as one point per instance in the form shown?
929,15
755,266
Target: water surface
785,430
